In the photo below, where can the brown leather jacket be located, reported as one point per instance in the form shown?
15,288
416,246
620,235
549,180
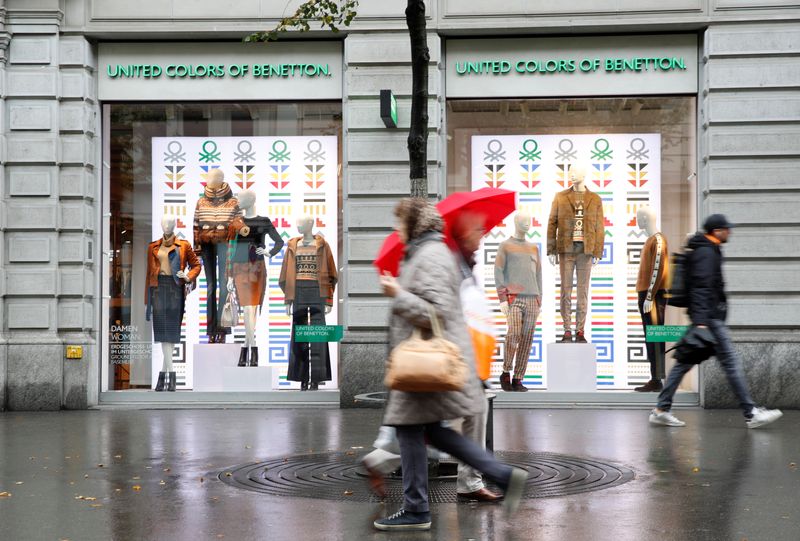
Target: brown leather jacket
562,215
326,268
188,258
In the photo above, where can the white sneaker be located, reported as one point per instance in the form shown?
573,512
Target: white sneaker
664,418
763,416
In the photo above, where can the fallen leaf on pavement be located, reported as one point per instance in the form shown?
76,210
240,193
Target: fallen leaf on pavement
137,488
5,494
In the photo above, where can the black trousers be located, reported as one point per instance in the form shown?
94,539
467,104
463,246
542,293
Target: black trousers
655,350
214,260
316,366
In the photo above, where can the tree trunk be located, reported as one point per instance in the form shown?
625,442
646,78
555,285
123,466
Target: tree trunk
418,132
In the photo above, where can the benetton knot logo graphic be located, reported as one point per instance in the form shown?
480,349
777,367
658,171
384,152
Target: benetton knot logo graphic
494,151
530,154
280,151
603,153
638,150
244,152
209,153
174,153
566,150
314,152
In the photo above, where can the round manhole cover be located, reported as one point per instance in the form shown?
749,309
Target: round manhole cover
340,476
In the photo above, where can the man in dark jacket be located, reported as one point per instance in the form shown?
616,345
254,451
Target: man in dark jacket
708,308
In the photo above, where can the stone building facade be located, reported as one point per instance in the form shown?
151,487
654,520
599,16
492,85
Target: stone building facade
51,170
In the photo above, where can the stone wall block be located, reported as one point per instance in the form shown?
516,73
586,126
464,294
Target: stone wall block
27,83
377,180
75,51
27,116
394,48
362,373
76,182
34,376
73,216
364,245
386,146
72,314
26,216
370,214
71,282
367,313
25,281
76,117
29,314
41,150
31,50
30,248
74,248
77,150
368,81
30,181
76,84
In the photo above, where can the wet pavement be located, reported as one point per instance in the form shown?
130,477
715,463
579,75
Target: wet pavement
152,475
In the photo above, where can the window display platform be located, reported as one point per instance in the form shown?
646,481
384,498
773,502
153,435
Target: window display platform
598,399
571,368
146,399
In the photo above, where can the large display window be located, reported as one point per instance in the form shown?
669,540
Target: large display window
222,235
636,157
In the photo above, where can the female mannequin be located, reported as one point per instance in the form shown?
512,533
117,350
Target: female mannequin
167,260
518,276
308,278
213,214
247,271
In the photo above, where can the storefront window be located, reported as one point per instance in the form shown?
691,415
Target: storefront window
175,239
635,153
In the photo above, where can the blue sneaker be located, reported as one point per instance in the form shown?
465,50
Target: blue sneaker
405,520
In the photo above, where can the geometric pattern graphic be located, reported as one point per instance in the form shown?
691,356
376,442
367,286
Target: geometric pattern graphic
624,170
292,177
340,476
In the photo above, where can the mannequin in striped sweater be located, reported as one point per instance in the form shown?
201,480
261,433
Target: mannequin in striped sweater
212,216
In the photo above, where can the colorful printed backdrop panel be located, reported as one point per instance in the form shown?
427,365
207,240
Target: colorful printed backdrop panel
292,177
625,170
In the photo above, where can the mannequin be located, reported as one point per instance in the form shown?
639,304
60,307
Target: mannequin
213,214
167,260
308,278
518,276
651,287
575,237
246,269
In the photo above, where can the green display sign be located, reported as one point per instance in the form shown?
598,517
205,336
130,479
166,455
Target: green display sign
216,71
318,333
571,65
665,333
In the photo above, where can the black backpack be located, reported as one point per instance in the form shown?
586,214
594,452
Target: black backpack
678,294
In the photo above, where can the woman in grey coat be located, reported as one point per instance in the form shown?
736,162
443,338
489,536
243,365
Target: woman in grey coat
430,278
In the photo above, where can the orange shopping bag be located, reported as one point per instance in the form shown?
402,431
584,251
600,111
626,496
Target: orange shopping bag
479,321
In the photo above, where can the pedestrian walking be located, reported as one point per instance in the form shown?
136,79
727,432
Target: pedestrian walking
430,279
707,307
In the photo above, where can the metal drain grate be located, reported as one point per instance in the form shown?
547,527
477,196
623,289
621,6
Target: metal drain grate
340,476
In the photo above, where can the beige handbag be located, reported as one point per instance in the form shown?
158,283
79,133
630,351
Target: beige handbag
424,366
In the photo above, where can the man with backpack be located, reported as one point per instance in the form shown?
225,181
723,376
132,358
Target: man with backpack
707,307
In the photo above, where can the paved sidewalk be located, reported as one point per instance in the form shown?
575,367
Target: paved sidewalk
151,475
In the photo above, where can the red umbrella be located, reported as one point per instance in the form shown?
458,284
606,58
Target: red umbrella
493,204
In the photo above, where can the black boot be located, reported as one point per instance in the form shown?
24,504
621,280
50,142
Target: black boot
314,386
160,383
243,357
173,382
517,386
254,356
505,381
303,385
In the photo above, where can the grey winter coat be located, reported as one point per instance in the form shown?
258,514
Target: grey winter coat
431,276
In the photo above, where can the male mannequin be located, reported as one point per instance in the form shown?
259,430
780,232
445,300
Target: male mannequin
308,278
213,214
246,269
575,236
651,286
167,259
518,276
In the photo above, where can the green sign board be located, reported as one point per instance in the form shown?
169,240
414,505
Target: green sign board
215,71
637,64
318,333
665,333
